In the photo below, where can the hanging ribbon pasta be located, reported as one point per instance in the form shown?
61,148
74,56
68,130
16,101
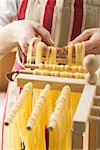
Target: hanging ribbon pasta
37,109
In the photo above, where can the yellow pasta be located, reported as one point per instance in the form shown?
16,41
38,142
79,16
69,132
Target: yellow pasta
51,55
17,119
37,109
58,134
30,49
39,52
70,54
79,53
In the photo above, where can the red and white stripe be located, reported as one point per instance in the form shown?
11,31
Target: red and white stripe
78,17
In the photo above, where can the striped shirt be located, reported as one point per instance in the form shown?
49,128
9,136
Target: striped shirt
8,11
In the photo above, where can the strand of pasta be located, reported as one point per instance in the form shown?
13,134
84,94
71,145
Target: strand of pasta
52,52
79,53
39,52
63,108
47,55
39,118
38,59
12,137
70,54
57,133
51,55
41,101
30,49
18,104
16,119
25,111
79,56
30,144
59,106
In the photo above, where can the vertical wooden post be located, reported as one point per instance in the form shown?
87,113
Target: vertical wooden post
77,140
86,138
92,135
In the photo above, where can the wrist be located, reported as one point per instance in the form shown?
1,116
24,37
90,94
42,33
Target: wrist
7,40
10,32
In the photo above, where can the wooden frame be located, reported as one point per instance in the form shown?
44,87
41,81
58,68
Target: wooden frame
56,82
81,116
82,119
80,128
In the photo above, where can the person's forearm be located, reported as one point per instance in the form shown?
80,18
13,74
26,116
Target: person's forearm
7,41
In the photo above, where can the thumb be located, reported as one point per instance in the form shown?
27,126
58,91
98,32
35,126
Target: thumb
82,37
43,33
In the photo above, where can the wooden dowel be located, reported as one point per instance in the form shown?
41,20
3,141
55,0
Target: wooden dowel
26,71
58,74
30,49
39,81
56,67
96,108
15,110
31,66
94,118
54,73
52,125
97,98
60,103
59,60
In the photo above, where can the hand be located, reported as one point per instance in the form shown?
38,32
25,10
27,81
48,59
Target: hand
91,38
23,31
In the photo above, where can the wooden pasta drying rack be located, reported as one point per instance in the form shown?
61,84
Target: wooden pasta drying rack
88,110
87,117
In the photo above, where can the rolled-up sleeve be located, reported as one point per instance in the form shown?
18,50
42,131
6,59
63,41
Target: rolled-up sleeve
8,11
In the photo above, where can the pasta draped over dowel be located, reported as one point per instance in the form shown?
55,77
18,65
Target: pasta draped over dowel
42,119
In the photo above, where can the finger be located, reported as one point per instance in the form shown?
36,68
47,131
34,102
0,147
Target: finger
44,33
92,44
44,46
30,36
24,46
93,51
35,46
82,37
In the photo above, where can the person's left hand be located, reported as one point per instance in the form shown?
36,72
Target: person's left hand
91,39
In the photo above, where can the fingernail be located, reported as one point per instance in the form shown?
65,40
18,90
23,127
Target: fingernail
51,42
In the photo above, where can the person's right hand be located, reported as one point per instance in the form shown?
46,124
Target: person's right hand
23,31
